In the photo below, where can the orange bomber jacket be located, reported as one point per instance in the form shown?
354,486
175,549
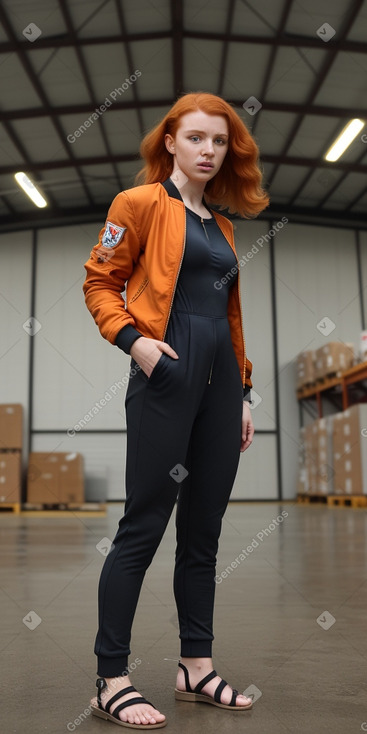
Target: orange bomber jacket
141,247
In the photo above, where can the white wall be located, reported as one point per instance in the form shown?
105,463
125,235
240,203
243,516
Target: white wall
15,302
257,475
315,276
363,241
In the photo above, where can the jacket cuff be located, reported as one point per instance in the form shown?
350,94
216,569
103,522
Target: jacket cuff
247,394
126,337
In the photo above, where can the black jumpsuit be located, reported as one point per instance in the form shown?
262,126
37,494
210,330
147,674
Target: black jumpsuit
183,442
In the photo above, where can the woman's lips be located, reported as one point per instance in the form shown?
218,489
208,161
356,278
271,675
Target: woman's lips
207,166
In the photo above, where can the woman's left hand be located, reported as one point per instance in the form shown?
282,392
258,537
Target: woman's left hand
248,429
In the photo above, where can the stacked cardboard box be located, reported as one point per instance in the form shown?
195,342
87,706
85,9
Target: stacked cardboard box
305,368
302,487
55,478
11,442
350,450
333,357
315,474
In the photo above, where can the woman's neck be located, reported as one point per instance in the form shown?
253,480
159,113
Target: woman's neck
191,191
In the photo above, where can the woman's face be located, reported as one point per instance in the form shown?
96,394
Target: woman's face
199,146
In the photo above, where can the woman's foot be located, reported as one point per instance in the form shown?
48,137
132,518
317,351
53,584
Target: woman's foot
198,668
136,713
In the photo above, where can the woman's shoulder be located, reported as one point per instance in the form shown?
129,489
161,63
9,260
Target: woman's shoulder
144,193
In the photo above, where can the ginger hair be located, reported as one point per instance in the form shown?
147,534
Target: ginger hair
238,184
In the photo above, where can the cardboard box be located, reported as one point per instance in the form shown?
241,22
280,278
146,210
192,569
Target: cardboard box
10,477
309,466
350,450
333,357
316,470
305,368
55,478
11,426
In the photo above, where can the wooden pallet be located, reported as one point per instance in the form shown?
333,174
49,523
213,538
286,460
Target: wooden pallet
306,386
13,507
307,499
326,378
347,500
65,506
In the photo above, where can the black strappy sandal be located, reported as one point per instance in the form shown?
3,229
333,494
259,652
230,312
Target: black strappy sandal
195,695
103,713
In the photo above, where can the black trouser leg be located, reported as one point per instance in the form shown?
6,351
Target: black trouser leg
212,463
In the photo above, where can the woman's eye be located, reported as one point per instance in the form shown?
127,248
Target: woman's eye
194,137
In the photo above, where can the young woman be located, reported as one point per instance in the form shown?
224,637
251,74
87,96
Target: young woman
187,410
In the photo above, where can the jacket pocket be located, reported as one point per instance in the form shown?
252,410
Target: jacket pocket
140,290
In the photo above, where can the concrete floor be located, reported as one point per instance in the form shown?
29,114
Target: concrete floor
308,677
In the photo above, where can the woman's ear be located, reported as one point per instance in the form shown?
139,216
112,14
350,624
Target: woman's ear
169,143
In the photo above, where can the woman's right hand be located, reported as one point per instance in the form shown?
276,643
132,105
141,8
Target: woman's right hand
146,352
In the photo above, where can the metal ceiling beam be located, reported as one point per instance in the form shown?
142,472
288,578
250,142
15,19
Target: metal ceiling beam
28,68
271,60
292,160
26,160
128,157
177,46
223,61
285,40
332,51
87,80
338,183
9,206
310,173
356,199
81,215
85,109
130,65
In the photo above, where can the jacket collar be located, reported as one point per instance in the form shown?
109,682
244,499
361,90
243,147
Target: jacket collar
173,191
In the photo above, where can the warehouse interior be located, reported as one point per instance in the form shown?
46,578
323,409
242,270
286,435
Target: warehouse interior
83,82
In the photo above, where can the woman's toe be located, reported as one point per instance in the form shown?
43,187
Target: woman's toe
243,700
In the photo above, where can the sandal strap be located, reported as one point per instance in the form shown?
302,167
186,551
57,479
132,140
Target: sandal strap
219,690
101,684
234,696
186,674
130,702
119,694
205,680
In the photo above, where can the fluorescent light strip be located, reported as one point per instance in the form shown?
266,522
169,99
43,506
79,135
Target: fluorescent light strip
344,140
30,189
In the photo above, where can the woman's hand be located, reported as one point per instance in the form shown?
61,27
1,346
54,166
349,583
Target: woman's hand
146,352
248,429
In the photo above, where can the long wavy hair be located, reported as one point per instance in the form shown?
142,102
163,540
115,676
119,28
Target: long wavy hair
238,184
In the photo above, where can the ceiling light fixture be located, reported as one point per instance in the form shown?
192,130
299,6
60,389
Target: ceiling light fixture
30,189
344,140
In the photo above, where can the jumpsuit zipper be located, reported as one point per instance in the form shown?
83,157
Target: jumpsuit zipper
211,370
202,222
211,366
178,272
239,296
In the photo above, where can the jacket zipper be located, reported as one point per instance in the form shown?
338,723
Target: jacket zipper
243,336
174,289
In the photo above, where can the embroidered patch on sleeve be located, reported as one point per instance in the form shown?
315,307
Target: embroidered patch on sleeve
113,234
